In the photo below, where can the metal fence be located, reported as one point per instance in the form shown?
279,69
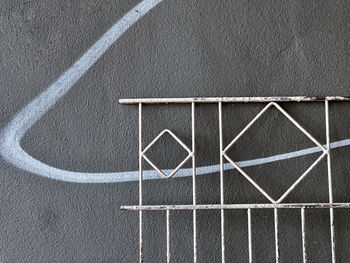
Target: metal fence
274,204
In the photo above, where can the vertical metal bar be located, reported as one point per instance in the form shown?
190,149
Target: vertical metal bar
276,236
194,183
250,246
222,185
303,234
168,236
330,188
140,182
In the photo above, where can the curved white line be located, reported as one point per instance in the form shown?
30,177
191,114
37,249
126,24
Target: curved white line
11,136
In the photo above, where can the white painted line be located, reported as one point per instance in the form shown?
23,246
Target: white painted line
11,136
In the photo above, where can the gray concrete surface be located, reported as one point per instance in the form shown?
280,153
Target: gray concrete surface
181,48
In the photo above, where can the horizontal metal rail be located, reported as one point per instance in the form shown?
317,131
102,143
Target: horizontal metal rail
232,99
235,206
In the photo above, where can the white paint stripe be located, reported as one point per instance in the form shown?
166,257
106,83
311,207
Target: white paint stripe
11,136
79,177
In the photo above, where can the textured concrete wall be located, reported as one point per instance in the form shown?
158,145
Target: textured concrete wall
181,48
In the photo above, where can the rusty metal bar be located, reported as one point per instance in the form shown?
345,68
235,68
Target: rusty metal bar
238,206
168,236
140,183
301,178
277,251
222,212
299,126
250,242
303,234
330,188
194,198
250,179
232,99
248,126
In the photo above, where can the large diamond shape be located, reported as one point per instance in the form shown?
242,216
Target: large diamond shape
325,152
190,154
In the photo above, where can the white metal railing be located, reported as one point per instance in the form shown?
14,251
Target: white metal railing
274,204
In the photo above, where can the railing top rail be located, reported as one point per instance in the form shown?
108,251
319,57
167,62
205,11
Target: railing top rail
233,99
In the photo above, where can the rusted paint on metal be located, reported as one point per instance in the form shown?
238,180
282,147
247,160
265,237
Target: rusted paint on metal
234,99
238,206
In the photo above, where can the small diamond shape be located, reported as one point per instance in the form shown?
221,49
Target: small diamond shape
190,154
325,152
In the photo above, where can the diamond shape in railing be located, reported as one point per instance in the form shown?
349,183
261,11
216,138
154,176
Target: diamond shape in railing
190,154
257,186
